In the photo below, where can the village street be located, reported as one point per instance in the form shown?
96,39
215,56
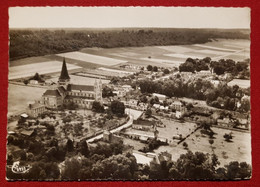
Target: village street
133,115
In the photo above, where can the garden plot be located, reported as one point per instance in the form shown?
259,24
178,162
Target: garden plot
95,59
28,70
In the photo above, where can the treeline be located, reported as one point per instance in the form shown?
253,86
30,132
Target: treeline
27,43
222,96
239,69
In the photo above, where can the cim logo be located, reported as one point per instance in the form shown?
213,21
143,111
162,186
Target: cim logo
16,168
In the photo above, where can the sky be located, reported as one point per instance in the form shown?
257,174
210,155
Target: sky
116,17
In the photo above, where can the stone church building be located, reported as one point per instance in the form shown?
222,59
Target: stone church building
65,92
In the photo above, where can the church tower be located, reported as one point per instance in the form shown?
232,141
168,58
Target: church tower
64,78
98,90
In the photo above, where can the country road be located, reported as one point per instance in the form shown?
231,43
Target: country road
134,114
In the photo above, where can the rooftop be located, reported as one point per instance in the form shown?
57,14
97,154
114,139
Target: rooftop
80,87
52,93
64,72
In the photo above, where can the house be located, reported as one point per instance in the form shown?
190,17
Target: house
33,82
161,97
161,158
27,133
119,92
144,124
65,92
177,105
204,73
111,138
225,122
35,109
127,88
215,82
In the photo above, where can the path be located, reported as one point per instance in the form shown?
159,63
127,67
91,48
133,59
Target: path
134,114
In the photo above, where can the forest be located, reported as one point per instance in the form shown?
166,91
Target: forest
38,42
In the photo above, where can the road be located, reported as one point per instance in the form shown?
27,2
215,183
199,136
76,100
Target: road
134,114
166,76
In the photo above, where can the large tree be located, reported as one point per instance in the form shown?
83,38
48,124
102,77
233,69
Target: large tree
118,107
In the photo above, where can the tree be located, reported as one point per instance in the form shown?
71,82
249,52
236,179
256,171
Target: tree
117,107
236,170
219,70
148,113
115,167
107,92
71,170
98,107
166,71
25,81
185,145
194,166
149,68
83,148
155,68
70,146
228,137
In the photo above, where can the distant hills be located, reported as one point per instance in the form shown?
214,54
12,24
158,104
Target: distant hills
38,42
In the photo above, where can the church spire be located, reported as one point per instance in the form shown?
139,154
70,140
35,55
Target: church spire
64,75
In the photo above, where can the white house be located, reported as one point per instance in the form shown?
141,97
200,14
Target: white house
161,97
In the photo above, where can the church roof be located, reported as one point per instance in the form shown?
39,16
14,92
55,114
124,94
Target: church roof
80,87
61,89
52,93
64,72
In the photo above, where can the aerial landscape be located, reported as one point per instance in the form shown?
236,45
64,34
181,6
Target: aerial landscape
129,103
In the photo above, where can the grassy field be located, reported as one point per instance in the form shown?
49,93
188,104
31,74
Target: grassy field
20,96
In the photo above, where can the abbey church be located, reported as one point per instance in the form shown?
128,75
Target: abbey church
65,92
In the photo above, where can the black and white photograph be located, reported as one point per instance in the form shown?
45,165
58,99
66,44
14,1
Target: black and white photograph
129,94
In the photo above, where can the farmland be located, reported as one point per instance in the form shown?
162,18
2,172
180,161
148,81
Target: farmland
99,59
105,61
20,96
169,56
28,70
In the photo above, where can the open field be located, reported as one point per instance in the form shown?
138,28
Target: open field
163,56
20,96
240,82
239,149
166,56
28,70
101,60
29,60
